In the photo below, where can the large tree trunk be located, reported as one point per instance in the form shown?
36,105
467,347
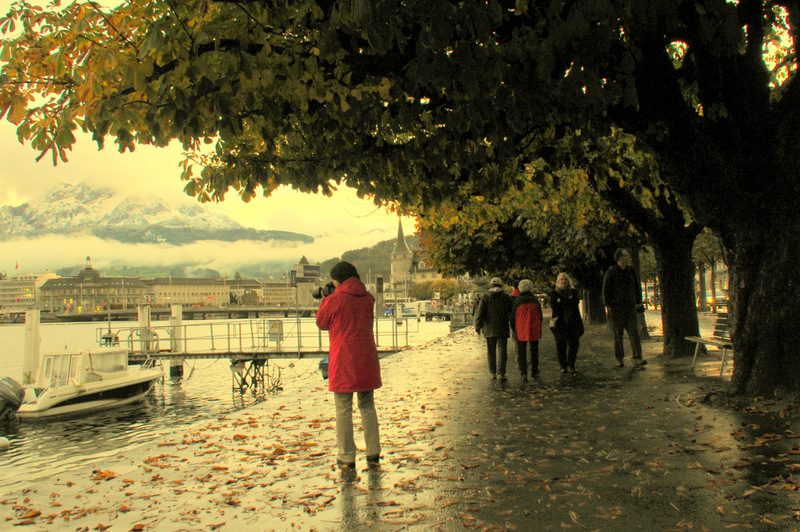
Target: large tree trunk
765,290
673,251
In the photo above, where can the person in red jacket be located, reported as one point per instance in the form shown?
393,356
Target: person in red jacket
526,322
353,365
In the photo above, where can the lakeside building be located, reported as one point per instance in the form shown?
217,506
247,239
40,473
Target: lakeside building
198,292
89,291
21,292
245,291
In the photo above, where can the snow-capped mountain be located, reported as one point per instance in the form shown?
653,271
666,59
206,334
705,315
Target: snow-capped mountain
81,208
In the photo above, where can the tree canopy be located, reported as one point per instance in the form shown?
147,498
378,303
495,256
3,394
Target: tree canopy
418,102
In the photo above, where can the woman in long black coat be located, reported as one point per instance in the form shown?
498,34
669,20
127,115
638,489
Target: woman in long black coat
566,322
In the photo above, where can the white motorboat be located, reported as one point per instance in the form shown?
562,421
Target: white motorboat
94,379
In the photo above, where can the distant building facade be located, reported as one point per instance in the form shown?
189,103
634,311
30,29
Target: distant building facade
188,291
22,292
89,291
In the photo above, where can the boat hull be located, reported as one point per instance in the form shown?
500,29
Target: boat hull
71,400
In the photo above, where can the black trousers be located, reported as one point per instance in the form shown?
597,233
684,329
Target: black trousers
497,352
522,358
622,321
567,345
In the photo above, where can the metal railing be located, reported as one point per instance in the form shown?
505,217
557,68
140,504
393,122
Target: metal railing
262,335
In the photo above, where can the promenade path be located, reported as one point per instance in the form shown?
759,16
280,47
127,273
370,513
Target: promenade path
657,449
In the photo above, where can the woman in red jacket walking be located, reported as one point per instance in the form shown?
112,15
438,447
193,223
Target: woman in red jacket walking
353,362
526,322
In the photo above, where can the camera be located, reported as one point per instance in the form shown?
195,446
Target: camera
324,291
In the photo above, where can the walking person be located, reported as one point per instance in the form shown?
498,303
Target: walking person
526,322
493,318
566,322
353,367
622,294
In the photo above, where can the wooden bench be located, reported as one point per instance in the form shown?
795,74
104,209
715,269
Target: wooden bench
721,338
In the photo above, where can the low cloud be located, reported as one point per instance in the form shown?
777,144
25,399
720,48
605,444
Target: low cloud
55,252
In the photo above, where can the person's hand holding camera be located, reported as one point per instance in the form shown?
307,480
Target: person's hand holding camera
324,291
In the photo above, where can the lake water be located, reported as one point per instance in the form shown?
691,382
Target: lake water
41,449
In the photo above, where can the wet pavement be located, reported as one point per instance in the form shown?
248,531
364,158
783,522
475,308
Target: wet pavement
659,448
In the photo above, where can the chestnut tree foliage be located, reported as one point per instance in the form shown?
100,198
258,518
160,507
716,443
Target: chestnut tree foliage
417,102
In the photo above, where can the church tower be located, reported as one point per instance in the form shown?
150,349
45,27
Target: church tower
402,259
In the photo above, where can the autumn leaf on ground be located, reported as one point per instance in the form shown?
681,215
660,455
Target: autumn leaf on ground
102,475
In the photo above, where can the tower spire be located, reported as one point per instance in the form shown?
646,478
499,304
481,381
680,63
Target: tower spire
401,246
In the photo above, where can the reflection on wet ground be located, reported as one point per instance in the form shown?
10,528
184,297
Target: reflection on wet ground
606,449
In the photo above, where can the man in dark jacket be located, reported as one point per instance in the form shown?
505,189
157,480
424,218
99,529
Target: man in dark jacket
622,294
493,318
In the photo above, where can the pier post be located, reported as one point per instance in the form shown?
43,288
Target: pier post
379,302
176,337
32,344
147,338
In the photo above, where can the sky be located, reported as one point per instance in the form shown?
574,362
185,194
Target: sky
340,223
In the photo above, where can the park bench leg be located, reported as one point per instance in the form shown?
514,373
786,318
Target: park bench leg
722,369
696,350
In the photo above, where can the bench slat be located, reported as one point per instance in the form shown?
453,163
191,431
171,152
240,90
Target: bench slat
721,338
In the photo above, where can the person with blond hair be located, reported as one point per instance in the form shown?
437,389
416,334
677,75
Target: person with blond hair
566,322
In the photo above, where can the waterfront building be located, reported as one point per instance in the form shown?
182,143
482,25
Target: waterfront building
22,292
90,291
194,292
249,292
278,293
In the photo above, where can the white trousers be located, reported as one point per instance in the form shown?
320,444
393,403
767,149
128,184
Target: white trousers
344,425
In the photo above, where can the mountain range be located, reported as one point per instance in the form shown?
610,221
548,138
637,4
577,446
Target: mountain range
95,211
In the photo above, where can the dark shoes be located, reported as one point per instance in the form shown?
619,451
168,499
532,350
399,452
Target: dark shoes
640,362
345,465
564,371
535,375
620,364
372,461
572,370
503,378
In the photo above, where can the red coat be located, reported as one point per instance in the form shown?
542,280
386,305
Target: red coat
526,317
347,316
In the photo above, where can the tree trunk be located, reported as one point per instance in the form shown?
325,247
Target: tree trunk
590,278
641,322
596,310
702,304
673,251
765,290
